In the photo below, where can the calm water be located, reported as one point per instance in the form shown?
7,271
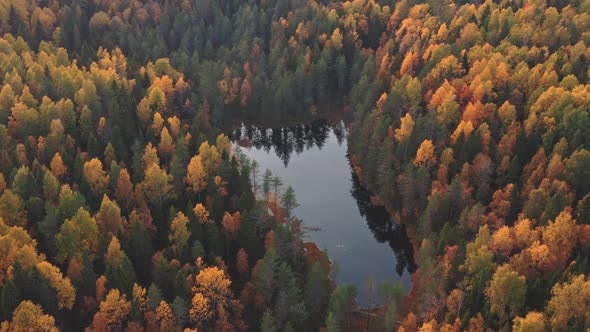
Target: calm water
361,238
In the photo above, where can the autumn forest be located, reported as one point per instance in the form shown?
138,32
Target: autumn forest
127,203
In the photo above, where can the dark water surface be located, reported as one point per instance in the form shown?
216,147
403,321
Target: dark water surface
359,237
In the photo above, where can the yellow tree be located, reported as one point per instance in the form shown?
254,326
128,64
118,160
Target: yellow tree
425,154
406,128
569,307
113,311
201,213
196,176
214,285
506,292
179,234
109,218
165,317
66,294
95,176
150,156
29,317
210,157
560,235
223,144
156,187
77,236
533,322
58,169
200,311
124,190
166,145
12,209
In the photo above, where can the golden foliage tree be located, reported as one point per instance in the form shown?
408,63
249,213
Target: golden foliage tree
179,233
29,317
113,312
96,176
58,168
405,130
196,176
569,307
425,154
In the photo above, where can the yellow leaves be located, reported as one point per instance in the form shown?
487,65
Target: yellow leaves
150,156
156,187
157,124
381,101
210,157
406,128
58,169
425,154
336,39
196,176
164,315
231,223
28,317
503,241
174,124
124,190
113,311
200,310
179,233
108,217
506,291
166,145
114,253
223,144
202,213
139,296
12,209
15,245
214,285
533,322
560,235
66,294
77,236
464,128
95,176
570,301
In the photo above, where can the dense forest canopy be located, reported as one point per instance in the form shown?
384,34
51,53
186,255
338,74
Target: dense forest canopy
122,207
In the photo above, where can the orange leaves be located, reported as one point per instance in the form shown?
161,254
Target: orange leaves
58,169
214,285
166,145
231,223
200,310
202,213
124,191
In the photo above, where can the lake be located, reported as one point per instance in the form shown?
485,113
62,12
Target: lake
361,238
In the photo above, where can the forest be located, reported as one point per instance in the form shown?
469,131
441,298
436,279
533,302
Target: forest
124,205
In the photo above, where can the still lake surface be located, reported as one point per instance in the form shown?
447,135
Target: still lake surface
359,237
